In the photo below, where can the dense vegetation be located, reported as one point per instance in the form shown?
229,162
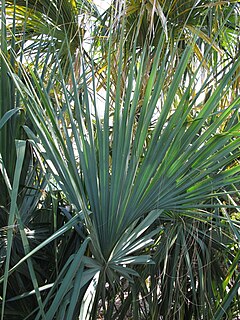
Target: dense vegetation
119,160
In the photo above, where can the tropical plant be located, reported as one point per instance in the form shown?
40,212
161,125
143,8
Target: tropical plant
41,27
215,23
154,227
21,183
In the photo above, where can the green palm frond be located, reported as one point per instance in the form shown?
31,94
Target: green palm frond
39,28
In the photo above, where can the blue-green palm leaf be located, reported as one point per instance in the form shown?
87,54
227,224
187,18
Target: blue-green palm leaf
123,170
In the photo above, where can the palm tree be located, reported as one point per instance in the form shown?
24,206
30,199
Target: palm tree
153,189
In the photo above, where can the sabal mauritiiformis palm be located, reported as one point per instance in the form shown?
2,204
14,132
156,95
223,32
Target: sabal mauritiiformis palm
152,204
